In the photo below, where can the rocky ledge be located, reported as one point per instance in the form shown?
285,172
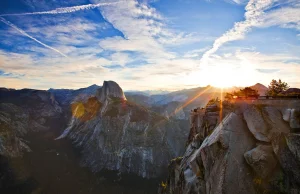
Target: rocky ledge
240,147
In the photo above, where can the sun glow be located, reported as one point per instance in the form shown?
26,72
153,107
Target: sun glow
224,77
227,75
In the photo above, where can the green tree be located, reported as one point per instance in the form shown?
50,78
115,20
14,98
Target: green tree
276,87
228,96
249,92
246,92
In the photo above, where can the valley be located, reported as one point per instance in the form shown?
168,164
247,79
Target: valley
101,140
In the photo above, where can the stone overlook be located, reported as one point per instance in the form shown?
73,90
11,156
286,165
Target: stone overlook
240,147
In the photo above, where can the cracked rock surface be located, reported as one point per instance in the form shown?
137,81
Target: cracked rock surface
252,148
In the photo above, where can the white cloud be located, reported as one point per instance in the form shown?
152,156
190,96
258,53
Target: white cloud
120,58
287,17
143,29
139,31
147,46
195,53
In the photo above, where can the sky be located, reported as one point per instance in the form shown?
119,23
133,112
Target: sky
148,44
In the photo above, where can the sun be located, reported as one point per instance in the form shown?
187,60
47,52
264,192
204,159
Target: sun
224,78
222,75
229,75
221,83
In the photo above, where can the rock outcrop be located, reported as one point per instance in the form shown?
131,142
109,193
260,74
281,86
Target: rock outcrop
110,89
116,134
254,149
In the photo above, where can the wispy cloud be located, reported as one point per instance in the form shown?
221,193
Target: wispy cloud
195,53
286,17
237,1
63,10
254,11
25,34
145,31
120,58
141,27
268,70
259,14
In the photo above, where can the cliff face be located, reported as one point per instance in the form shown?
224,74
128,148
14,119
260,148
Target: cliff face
119,135
23,111
110,89
240,147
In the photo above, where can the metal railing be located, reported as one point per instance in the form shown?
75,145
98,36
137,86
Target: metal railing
267,97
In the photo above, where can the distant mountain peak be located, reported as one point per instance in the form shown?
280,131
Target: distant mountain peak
94,85
260,88
259,85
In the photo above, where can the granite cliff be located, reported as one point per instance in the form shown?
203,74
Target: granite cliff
240,147
119,135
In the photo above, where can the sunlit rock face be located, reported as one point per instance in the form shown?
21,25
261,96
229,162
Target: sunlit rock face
115,134
252,148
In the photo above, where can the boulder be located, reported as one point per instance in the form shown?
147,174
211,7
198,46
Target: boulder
256,123
262,160
286,114
275,122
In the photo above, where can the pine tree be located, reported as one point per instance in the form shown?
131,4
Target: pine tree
276,87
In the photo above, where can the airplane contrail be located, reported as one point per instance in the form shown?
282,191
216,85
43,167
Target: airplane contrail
45,45
62,10
25,34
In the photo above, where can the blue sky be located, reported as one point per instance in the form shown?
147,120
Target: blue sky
148,44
